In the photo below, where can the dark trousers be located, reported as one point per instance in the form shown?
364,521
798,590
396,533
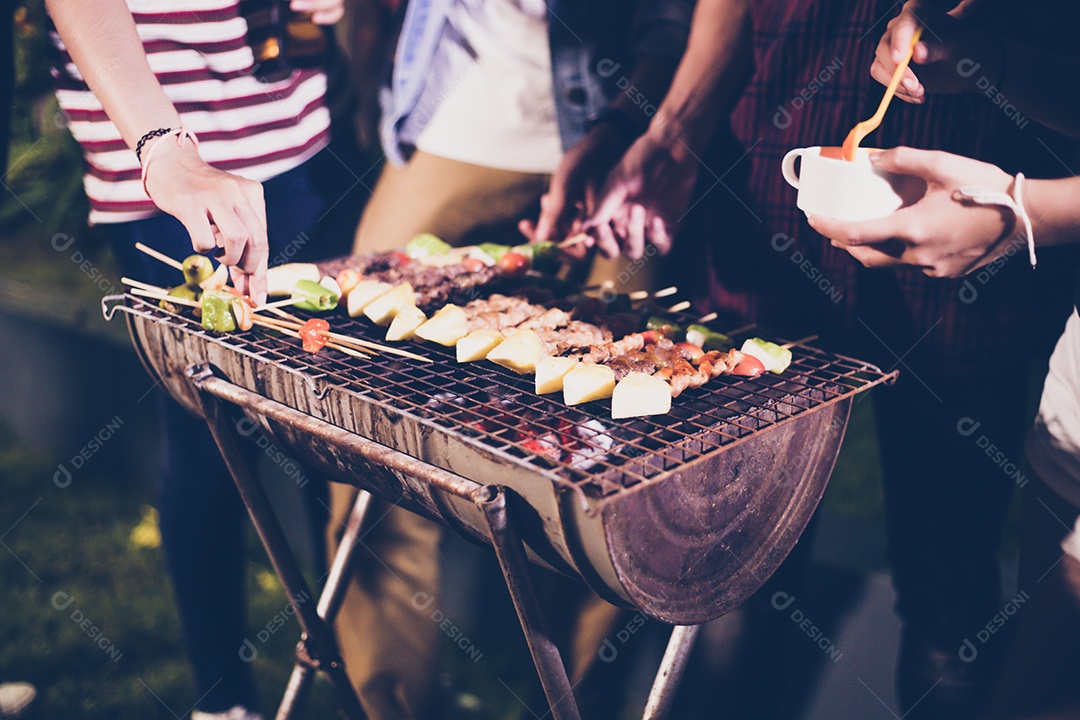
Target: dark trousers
202,518
946,464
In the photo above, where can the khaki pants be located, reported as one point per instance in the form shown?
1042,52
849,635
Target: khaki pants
388,642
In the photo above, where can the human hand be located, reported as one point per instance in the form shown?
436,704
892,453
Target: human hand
943,234
323,12
645,197
945,60
575,185
219,210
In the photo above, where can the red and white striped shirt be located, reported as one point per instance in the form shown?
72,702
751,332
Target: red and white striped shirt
200,55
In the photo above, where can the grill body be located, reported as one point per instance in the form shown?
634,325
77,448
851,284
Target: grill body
682,516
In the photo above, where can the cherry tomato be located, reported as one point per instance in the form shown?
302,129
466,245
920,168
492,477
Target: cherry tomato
651,337
349,278
313,334
513,263
473,264
749,366
401,258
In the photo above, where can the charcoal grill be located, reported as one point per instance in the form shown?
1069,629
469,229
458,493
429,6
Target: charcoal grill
681,516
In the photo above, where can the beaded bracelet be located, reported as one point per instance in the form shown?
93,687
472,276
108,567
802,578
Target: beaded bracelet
148,137
182,135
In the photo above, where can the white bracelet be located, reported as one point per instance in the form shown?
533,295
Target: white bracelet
982,196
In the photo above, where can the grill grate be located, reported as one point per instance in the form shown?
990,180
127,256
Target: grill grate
498,409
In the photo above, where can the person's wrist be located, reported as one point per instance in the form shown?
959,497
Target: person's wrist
674,136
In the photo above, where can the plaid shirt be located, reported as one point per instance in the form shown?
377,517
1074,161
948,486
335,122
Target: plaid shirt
810,85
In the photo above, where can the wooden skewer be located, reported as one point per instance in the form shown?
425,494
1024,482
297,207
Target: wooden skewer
665,292
707,318
159,256
362,354
144,286
744,328
284,315
679,307
357,342
294,323
278,304
258,321
164,296
801,341
574,240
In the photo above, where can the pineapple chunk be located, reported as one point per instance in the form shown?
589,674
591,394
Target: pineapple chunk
477,344
640,394
550,373
363,293
385,308
519,352
404,325
445,327
281,280
586,383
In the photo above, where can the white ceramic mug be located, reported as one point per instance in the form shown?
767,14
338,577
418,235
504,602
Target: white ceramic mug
836,188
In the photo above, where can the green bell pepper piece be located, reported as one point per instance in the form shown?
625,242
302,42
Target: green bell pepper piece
196,269
494,250
217,311
708,339
425,245
313,296
184,292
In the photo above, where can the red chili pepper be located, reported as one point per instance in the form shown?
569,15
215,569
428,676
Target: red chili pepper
313,334
749,366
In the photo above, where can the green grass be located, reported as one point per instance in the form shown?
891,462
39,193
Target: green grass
77,541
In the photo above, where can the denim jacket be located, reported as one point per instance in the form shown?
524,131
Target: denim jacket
594,44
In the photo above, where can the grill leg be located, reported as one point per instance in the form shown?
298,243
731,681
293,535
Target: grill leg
515,567
337,582
671,670
319,637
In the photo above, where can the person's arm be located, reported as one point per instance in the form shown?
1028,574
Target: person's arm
648,192
583,169
953,57
219,210
948,236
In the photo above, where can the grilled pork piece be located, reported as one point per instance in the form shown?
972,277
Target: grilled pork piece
458,282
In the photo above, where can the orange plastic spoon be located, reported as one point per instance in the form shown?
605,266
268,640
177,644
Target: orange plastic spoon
860,131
